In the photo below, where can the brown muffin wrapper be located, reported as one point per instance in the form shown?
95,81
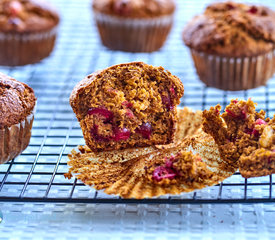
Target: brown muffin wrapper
26,48
133,35
234,73
15,139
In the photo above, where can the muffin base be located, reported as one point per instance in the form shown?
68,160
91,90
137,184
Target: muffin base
133,35
26,48
234,73
15,139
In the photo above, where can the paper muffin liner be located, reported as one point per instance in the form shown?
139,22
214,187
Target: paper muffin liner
133,35
15,139
25,48
234,73
130,179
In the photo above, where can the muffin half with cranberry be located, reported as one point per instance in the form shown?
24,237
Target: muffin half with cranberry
27,31
127,105
17,102
232,45
134,26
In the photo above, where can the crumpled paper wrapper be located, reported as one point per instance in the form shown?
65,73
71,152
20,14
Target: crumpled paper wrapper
130,173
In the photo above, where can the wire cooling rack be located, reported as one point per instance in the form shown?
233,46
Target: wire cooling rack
37,174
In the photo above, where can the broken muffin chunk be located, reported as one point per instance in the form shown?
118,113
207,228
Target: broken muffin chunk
127,105
245,137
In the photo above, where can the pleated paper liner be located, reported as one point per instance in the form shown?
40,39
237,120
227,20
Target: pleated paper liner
183,167
133,35
26,48
234,73
15,139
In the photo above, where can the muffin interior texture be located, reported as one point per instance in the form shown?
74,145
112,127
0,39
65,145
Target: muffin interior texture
129,105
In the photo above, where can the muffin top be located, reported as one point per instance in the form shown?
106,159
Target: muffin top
17,101
26,16
232,30
135,8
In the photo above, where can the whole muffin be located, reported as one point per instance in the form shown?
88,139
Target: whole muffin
17,102
134,25
127,105
232,45
27,31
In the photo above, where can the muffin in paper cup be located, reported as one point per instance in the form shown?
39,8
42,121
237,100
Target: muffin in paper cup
27,31
131,27
15,139
17,104
234,73
232,45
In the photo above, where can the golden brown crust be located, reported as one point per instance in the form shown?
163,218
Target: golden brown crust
232,30
135,8
17,101
27,16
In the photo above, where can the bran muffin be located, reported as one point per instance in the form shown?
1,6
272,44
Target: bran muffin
27,31
245,137
17,102
232,45
127,105
134,25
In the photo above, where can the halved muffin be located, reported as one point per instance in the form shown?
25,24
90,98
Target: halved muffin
127,105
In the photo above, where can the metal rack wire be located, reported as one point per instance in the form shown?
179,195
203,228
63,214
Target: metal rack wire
37,174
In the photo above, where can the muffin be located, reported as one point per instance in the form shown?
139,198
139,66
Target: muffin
134,25
245,137
232,45
27,31
127,105
17,102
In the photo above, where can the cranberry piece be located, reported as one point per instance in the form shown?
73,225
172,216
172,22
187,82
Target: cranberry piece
166,100
121,134
108,115
161,173
260,122
122,7
127,104
15,7
253,10
242,115
98,137
235,101
230,6
172,91
253,132
145,130
169,162
129,113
